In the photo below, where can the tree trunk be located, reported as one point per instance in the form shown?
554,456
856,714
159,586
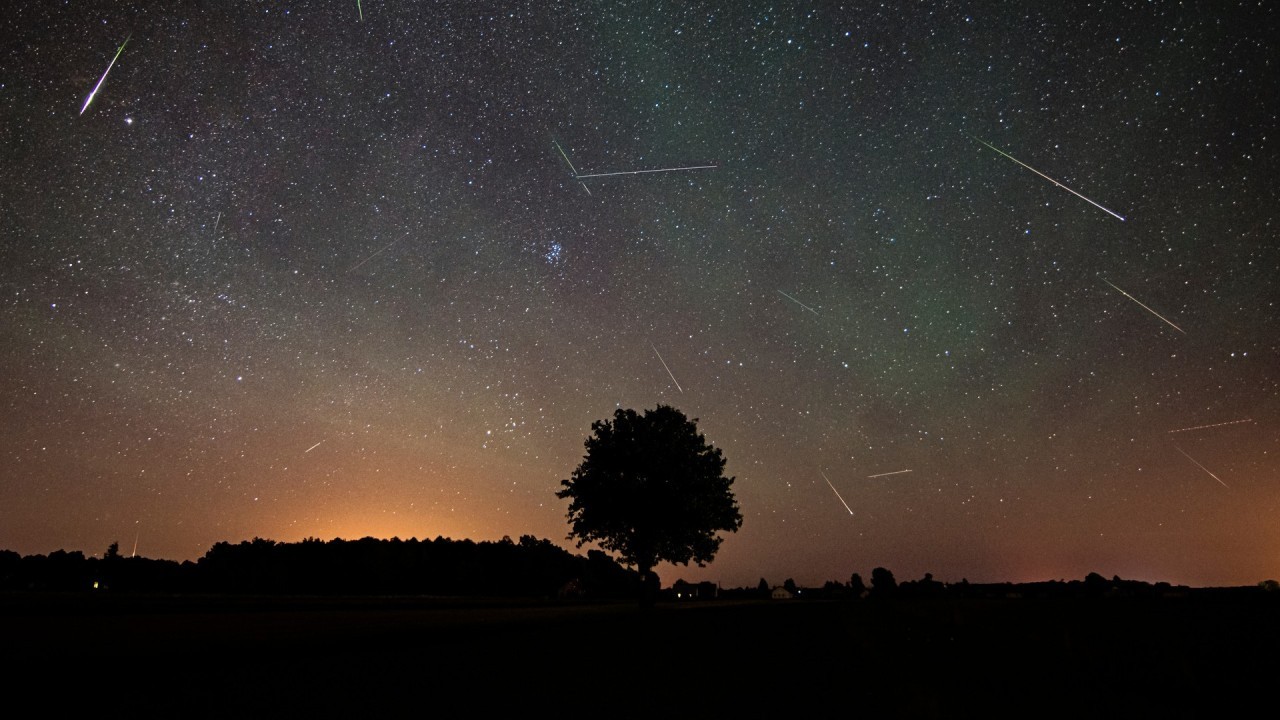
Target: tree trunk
649,586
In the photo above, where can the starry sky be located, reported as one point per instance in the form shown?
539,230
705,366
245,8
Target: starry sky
294,272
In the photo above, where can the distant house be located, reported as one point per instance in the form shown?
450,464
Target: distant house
682,590
781,593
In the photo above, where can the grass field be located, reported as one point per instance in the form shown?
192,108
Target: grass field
940,657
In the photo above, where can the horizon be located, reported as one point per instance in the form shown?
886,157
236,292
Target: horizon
675,577
947,303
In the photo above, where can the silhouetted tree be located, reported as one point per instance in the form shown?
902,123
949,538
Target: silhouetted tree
113,551
790,586
856,586
882,582
651,489
763,588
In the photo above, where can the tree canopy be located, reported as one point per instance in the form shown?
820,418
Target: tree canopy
651,489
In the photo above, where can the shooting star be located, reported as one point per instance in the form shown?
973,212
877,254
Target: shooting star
1215,477
313,447
571,167
104,74
806,307
837,492
1046,177
638,172
1153,312
895,472
1214,425
379,252
664,364
215,226
136,535
360,10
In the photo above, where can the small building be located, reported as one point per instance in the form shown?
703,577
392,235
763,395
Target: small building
705,590
781,593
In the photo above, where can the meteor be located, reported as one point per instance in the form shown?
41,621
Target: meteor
895,472
806,307
376,254
837,492
1214,425
664,364
1046,177
638,172
313,447
1215,477
104,74
571,167
1153,312
360,10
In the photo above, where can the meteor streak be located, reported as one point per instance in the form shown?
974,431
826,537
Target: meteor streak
664,364
895,472
215,225
837,492
376,254
1153,312
1215,477
1214,425
313,447
104,74
638,172
806,307
571,167
360,10
1046,177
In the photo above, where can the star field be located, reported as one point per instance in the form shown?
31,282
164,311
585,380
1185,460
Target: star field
293,273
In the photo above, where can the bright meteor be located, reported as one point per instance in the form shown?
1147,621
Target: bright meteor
895,472
104,74
664,365
837,492
1046,177
1197,464
638,172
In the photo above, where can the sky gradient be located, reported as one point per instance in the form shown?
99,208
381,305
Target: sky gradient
296,274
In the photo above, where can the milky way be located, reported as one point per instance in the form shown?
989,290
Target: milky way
298,273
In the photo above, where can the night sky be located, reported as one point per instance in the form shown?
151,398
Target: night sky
296,274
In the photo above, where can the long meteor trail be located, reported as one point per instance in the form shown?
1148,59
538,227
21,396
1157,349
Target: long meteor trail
1214,425
104,74
837,492
895,472
571,167
1215,477
664,365
1153,312
806,307
638,172
1046,177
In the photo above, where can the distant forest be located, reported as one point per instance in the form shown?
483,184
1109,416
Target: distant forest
370,566
527,568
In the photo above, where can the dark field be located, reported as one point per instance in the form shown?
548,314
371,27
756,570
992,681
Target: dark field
939,657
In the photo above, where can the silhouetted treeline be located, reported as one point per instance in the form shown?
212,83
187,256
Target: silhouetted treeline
528,568
884,587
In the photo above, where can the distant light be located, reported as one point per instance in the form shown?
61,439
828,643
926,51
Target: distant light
128,121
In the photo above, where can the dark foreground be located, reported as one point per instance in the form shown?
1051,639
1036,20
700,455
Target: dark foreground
940,657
